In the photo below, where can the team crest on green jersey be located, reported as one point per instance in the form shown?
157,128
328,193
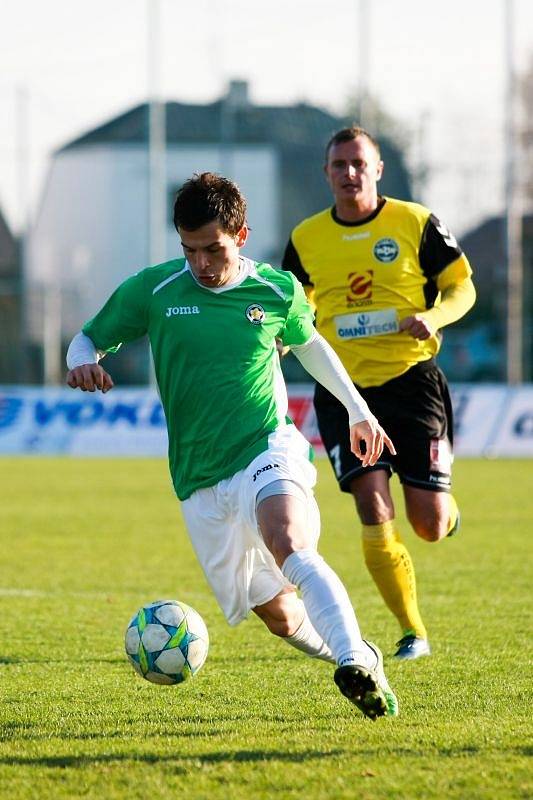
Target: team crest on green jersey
255,314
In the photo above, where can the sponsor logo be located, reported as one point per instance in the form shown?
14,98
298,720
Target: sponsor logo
360,286
10,409
255,314
386,250
175,311
44,411
371,323
442,480
263,469
362,330
352,237
523,426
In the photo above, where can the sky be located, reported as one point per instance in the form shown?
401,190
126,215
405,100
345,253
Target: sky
438,68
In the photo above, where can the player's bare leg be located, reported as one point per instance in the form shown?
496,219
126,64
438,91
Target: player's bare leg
433,515
284,524
388,560
372,497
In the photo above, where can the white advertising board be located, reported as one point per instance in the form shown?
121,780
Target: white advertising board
490,420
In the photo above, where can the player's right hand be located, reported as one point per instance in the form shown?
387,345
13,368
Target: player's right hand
367,440
90,377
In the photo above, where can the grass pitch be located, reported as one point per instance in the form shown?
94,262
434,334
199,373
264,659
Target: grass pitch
86,542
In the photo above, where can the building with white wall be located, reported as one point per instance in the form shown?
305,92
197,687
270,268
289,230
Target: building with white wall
91,229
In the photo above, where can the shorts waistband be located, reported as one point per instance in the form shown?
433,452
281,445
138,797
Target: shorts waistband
424,366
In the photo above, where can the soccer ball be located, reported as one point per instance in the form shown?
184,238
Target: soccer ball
167,642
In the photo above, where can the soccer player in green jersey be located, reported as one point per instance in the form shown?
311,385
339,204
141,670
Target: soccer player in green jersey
239,466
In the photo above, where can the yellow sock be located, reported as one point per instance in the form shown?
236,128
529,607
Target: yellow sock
390,565
454,513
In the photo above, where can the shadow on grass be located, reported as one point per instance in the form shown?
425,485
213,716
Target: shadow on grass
110,660
237,756
232,664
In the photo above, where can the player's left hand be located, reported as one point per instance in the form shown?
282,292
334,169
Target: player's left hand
374,438
417,327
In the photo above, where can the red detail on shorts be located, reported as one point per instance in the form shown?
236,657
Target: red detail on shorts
440,457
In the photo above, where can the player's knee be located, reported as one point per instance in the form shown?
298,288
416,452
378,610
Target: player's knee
283,622
431,530
285,539
284,529
281,627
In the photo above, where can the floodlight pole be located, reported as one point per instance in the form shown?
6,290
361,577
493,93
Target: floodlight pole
364,62
157,199
24,221
513,211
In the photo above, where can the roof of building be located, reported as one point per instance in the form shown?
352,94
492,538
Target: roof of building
215,122
299,132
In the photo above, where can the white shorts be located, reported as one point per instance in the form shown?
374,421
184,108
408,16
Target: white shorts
222,525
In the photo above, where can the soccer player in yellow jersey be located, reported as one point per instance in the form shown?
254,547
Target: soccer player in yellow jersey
385,276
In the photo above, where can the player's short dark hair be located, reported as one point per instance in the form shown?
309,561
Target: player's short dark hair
207,197
348,135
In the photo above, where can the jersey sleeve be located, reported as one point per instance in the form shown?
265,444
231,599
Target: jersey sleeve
438,248
291,263
299,325
457,298
123,318
456,272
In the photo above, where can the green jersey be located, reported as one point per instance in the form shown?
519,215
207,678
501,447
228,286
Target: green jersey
215,359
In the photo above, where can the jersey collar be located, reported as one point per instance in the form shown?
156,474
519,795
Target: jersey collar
245,269
373,215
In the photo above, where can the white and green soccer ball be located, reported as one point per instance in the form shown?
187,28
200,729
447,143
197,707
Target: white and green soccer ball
167,642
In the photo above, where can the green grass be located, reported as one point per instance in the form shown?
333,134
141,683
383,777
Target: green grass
85,542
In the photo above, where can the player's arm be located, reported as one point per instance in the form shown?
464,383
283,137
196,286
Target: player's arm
323,364
457,298
367,437
444,263
85,372
123,318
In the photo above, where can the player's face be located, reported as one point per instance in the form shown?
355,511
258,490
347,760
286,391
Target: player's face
353,170
212,253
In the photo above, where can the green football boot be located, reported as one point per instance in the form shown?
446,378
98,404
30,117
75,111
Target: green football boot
366,688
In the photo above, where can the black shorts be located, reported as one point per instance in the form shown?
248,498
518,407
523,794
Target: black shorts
415,410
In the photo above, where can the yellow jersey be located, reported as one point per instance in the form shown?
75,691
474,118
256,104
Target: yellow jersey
364,278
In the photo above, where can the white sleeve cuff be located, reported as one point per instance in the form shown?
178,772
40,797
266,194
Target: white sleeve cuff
82,351
323,364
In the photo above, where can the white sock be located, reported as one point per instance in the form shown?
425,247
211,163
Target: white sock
308,640
328,606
